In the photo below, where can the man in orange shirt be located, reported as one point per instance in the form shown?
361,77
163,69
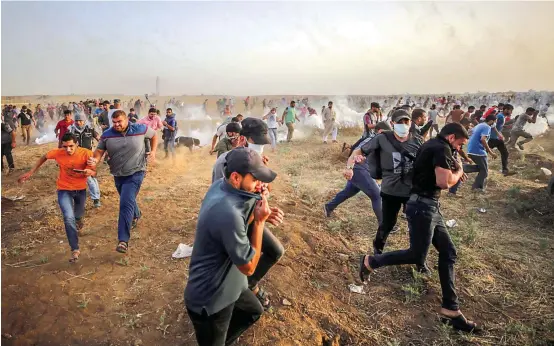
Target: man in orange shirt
71,185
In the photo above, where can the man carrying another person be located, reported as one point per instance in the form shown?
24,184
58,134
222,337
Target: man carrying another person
71,185
125,145
530,116
84,134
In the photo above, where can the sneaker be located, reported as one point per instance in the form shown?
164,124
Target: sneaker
520,146
326,211
508,173
96,203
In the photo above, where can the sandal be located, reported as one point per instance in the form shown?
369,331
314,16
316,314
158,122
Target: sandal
461,323
74,256
364,271
263,297
135,221
122,247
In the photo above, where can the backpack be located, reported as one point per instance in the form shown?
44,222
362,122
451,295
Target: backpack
374,158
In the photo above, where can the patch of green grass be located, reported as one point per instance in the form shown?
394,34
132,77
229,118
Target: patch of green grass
123,261
517,332
143,268
44,259
544,244
83,303
414,290
335,226
514,191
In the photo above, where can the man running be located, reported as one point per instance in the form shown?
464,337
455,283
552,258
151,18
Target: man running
272,124
26,120
226,144
63,125
478,148
530,116
289,118
455,115
84,134
71,185
371,117
329,121
228,247
133,117
152,120
221,133
496,139
434,169
125,145
433,116
359,179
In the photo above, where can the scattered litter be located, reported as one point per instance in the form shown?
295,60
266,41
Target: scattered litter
183,251
356,289
61,241
482,210
519,167
545,173
451,223
286,302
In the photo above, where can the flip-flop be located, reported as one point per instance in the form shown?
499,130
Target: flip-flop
122,247
461,323
364,271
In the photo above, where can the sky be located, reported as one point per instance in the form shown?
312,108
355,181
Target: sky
275,48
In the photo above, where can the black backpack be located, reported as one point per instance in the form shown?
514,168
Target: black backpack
374,158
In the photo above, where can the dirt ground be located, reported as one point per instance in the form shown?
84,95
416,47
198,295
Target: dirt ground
504,273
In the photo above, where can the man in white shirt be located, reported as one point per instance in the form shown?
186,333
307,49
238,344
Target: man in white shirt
329,120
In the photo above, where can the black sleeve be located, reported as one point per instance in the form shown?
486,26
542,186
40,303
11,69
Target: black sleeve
442,157
423,131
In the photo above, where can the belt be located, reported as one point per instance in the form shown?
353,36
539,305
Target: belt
426,200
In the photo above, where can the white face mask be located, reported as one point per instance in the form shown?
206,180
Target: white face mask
259,148
401,130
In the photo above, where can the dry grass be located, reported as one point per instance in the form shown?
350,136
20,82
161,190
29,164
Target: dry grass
504,270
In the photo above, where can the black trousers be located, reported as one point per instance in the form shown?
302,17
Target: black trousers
391,206
497,143
7,152
225,326
426,227
272,251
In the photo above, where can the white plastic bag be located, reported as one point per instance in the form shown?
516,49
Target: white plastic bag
183,251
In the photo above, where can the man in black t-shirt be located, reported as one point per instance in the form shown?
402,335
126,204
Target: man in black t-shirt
26,120
435,169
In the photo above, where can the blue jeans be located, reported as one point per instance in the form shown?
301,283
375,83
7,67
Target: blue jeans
426,227
169,144
467,169
72,205
128,188
273,137
361,181
93,188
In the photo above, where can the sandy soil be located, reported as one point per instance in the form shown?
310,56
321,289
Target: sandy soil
504,270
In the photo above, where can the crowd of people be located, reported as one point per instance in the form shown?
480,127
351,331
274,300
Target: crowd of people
233,247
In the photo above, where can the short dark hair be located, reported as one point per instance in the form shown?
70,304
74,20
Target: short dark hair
455,129
490,117
530,110
68,136
457,106
105,103
418,113
239,115
67,111
235,120
169,109
500,105
131,110
507,106
152,110
471,107
483,106
433,106
118,113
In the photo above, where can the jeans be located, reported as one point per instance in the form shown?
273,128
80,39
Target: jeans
128,188
361,181
391,207
497,143
169,144
467,169
290,127
483,169
272,251
273,137
426,227
93,188
72,205
225,326
7,152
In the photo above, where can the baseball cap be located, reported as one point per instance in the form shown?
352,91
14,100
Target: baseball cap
400,114
375,104
245,160
233,127
256,129
383,125
79,117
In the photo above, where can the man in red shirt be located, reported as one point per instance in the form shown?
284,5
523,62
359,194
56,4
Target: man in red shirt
63,125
